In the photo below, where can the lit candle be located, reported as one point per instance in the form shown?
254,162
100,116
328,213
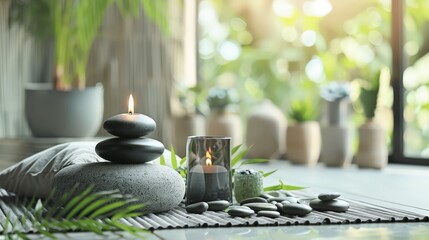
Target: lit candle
130,144
208,181
130,125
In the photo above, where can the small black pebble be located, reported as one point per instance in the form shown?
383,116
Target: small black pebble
253,200
198,207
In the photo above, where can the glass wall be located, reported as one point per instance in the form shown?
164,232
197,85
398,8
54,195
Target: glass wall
416,79
286,50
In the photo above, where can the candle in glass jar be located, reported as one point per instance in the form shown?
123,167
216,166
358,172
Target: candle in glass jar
208,182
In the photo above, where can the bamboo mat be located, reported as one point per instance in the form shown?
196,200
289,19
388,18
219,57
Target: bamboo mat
359,212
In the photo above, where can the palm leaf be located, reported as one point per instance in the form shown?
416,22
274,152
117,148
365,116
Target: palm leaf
253,161
239,156
235,149
173,158
105,209
282,186
268,173
182,161
162,160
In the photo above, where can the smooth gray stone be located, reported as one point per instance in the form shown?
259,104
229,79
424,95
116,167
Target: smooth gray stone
280,194
290,200
333,205
265,195
281,199
236,206
253,200
218,205
270,214
261,206
129,125
129,150
329,196
279,207
159,188
240,211
198,207
296,209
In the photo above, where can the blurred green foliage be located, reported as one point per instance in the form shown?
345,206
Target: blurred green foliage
268,56
73,26
221,98
300,46
303,111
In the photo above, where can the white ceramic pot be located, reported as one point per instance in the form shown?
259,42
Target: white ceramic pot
372,150
189,125
266,125
303,143
336,146
227,124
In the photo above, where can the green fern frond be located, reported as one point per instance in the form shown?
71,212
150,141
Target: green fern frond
88,211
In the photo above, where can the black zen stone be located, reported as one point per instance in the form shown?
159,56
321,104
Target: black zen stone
129,150
279,207
198,207
281,199
265,195
240,212
328,196
129,125
332,205
218,205
296,209
270,214
253,200
261,206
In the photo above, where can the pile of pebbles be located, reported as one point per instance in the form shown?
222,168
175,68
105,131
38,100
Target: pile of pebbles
267,205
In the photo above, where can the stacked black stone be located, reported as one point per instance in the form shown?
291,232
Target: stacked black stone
130,145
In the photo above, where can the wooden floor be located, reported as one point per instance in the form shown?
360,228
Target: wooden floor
397,186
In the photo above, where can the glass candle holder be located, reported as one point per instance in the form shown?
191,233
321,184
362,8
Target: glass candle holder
209,169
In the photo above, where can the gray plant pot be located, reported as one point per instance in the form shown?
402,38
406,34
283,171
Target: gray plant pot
74,113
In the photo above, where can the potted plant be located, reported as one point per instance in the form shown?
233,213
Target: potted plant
223,119
372,150
336,134
303,138
189,120
66,108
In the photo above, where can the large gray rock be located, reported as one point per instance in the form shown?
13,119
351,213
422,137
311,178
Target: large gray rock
160,188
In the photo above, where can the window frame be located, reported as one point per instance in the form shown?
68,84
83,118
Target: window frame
398,67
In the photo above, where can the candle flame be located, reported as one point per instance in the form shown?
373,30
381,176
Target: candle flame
131,105
208,157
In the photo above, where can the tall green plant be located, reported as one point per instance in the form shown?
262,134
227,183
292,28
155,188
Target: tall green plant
73,25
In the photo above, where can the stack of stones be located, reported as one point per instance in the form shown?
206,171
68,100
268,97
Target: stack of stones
159,188
268,205
130,145
329,202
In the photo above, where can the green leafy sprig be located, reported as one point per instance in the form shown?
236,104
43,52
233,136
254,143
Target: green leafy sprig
89,211
238,153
